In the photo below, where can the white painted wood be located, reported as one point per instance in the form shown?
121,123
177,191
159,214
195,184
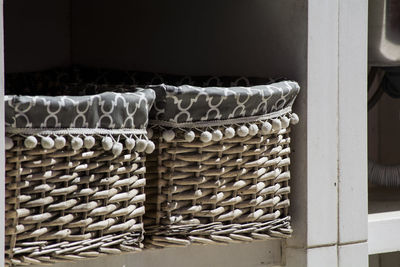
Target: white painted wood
323,256
257,254
353,255
322,99
353,23
383,232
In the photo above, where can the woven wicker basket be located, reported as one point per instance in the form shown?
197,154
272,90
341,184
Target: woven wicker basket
218,181
75,191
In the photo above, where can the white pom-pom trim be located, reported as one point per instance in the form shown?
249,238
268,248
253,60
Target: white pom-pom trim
229,132
107,143
130,143
189,136
205,136
168,135
76,143
253,129
266,128
285,122
276,125
150,147
30,142
47,142
242,131
9,143
89,142
294,119
217,135
141,145
60,142
117,149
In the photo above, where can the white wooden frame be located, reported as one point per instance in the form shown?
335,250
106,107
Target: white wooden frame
335,214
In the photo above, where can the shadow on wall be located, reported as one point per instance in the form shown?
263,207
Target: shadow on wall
183,37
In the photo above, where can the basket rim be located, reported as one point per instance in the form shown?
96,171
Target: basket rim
67,131
212,123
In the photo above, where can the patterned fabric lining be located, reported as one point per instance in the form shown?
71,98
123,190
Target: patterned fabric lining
189,99
194,104
107,110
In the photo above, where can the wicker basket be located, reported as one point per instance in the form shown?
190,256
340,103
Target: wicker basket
74,179
219,176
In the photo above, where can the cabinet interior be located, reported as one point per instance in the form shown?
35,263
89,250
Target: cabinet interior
179,37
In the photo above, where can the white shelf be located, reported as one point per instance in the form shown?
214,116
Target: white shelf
383,220
383,232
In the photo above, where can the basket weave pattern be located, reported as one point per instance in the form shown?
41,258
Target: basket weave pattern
232,190
67,205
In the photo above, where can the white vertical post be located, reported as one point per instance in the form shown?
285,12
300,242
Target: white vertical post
335,178
353,26
317,177
353,212
322,103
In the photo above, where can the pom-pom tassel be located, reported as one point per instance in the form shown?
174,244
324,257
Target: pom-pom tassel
141,145
253,129
130,143
285,122
150,147
276,125
217,135
117,149
266,128
242,131
30,142
77,143
168,135
189,136
89,142
229,132
107,143
60,142
205,136
47,142
9,143
294,119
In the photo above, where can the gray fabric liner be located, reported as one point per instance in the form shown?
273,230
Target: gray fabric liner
183,104
107,111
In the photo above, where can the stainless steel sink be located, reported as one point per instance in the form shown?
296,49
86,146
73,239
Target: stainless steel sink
384,33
